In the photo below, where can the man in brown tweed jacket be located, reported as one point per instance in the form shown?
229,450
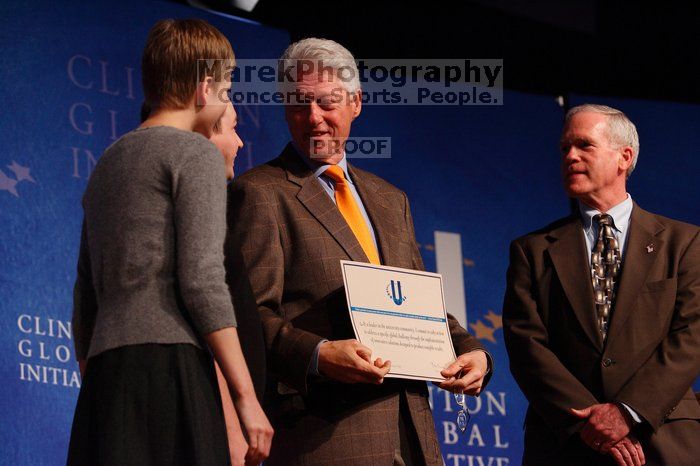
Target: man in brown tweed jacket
327,397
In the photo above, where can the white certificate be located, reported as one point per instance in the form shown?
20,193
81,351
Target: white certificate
400,314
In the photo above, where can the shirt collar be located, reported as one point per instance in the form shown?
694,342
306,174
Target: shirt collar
620,214
318,168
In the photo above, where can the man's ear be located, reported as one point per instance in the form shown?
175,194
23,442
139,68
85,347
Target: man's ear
626,158
357,104
205,91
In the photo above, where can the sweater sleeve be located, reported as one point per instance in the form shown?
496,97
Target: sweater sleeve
199,196
84,300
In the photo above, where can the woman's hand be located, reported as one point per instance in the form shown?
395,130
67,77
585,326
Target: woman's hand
257,428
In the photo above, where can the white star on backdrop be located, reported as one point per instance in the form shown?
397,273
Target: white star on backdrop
8,184
21,173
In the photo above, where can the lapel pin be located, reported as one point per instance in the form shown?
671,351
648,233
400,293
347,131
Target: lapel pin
650,248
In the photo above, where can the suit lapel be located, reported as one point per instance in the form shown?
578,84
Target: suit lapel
572,265
379,212
641,251
319,204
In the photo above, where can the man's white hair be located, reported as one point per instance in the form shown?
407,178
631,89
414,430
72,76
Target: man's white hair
621,130
332,54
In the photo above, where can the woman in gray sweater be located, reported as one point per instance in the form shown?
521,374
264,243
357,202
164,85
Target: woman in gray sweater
150,298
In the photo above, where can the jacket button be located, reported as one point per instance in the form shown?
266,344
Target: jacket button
607,362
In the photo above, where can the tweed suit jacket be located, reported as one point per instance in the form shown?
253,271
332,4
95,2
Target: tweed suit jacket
292,238
649,360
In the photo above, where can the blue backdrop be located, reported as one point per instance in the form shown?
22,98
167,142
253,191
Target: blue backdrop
489,174
72,86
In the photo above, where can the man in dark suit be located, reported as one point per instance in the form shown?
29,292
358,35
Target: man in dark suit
294,219
602,314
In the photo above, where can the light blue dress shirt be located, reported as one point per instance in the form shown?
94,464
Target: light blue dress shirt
621,215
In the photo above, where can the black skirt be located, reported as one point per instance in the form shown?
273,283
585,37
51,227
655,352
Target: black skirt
149,405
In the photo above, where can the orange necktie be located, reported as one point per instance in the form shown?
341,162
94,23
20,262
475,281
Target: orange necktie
351,211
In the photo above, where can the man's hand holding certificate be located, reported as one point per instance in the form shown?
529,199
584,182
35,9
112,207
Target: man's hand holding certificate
466,374
350,361
399,315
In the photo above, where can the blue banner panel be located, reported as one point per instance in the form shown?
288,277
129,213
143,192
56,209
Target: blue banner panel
72,87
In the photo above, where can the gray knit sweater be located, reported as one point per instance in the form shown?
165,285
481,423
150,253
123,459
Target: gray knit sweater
151,255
